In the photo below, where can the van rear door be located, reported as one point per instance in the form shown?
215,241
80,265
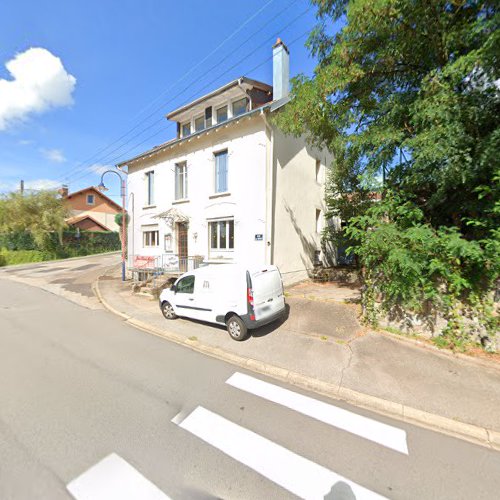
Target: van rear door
268,293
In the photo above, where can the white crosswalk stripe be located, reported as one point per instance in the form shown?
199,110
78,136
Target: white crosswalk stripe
378,432
296,474
113,478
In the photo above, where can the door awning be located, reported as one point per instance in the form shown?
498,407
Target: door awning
173,216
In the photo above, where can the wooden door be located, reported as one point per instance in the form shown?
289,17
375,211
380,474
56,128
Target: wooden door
182,246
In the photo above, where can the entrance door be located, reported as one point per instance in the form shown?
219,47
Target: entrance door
182,246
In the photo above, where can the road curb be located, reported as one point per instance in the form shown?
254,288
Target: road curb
468,432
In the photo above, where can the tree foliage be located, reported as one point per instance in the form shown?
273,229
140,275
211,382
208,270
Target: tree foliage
39,214
408,91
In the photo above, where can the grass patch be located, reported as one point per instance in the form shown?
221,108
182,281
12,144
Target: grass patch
10,257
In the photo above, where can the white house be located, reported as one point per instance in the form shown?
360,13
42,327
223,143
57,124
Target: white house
231,187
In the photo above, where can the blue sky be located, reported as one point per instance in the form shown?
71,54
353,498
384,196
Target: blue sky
119,67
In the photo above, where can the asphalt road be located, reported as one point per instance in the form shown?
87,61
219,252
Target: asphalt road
90,406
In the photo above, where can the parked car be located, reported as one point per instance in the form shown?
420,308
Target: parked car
227,294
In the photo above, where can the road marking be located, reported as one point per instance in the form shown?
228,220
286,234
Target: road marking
378,432
296,474
114,479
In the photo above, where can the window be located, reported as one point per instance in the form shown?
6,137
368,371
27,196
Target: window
150,195
222,235
150,238
181,181
221,172
208,117
318,170
168,243
318,221
240,106
222,114
90,199
185,285
199,123
186,129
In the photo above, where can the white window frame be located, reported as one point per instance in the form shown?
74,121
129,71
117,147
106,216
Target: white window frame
217,153
150,188
181,165
168,242
93,199
188,124
233,102
217,113
150,238
202,116
218,252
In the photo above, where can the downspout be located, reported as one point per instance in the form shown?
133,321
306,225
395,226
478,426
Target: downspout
270,198
247,94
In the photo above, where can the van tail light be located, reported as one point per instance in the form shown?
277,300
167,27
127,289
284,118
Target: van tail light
250,297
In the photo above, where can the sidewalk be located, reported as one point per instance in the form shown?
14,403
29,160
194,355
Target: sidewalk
322,347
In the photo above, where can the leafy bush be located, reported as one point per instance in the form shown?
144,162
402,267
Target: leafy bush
21,247
9,257
411,265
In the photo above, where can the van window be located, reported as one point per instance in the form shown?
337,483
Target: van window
186,285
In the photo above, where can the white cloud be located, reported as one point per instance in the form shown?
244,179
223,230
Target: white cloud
55,155
99,169
39,82
25,142
41,184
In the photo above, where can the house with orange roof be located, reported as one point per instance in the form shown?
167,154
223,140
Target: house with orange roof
91,210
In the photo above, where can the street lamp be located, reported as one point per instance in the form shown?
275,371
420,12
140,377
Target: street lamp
102,187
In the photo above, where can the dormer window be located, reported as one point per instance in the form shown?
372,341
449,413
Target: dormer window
240,106
221,114
186,129
199,123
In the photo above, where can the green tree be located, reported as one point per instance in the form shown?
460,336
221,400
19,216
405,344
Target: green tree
407,91
40,214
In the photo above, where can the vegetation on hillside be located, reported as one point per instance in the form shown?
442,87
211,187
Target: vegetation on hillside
406,95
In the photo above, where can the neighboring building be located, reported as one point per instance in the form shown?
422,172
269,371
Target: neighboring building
231,187
91,210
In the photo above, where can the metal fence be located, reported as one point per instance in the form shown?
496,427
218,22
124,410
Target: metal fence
143,267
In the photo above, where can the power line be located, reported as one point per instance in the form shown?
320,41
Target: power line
183,77
105,158
114,160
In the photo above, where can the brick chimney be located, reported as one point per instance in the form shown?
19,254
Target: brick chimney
281,70
63,191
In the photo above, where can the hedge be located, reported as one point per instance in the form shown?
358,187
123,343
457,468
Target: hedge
72,243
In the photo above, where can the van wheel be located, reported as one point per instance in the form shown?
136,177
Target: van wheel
236,328
168,310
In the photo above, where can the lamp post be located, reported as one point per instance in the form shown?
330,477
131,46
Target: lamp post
102,187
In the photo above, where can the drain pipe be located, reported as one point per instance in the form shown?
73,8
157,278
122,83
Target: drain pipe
240,81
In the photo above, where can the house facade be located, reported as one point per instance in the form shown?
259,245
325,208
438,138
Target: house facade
91,210
231,187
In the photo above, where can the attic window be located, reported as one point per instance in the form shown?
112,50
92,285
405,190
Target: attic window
240,106
222,114
90,199
199,123
186,129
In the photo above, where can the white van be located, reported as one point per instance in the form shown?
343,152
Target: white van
227,294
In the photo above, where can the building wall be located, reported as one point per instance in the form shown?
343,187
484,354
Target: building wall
298,194
102,211
246,202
